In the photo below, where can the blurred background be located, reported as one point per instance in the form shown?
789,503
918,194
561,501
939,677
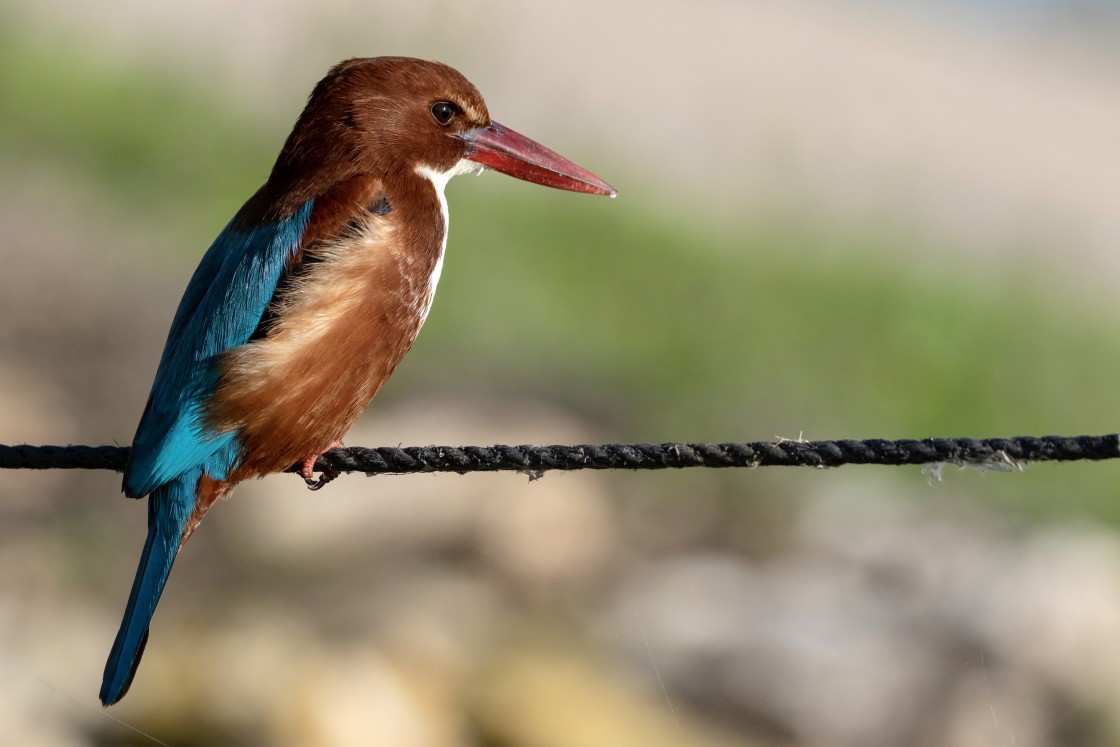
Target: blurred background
836,220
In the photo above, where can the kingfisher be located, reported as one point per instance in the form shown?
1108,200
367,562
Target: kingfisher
308,299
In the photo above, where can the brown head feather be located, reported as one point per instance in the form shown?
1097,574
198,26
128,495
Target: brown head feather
369,116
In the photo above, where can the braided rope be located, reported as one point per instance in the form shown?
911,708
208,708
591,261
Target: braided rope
987,452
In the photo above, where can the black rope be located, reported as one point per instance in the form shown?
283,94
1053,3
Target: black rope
993,453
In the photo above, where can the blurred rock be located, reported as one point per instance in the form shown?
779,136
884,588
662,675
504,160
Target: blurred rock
987,707
889,625
49,653
451,613
358,697
1058,611
803,644
549,698
261,675
558,536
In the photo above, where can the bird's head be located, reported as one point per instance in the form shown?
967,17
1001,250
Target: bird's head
387,115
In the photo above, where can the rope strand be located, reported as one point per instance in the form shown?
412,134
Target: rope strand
993,453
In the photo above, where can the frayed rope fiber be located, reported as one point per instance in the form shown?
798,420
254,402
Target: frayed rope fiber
983,452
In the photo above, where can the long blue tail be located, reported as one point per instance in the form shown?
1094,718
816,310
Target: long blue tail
169,508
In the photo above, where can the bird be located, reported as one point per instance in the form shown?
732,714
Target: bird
308,299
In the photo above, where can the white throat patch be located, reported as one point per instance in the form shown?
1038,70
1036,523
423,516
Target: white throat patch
439,180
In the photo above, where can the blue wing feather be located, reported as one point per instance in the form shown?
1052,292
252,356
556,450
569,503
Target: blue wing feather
221,308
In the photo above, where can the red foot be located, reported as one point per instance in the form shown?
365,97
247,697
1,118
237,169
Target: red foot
307,469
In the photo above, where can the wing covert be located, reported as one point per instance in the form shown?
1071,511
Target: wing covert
220,309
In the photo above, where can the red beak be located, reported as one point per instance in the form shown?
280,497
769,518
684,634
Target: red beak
504,150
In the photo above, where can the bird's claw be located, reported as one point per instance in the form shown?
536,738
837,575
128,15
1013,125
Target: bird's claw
326,477
307,469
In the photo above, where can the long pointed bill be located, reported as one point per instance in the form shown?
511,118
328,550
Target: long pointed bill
504,150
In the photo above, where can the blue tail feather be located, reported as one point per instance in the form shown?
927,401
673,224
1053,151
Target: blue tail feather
169,508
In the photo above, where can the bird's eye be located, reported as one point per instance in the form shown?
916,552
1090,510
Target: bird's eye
443,111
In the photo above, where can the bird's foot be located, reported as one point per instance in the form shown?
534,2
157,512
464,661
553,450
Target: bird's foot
307,469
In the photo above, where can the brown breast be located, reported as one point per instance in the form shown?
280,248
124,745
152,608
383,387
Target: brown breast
339,328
